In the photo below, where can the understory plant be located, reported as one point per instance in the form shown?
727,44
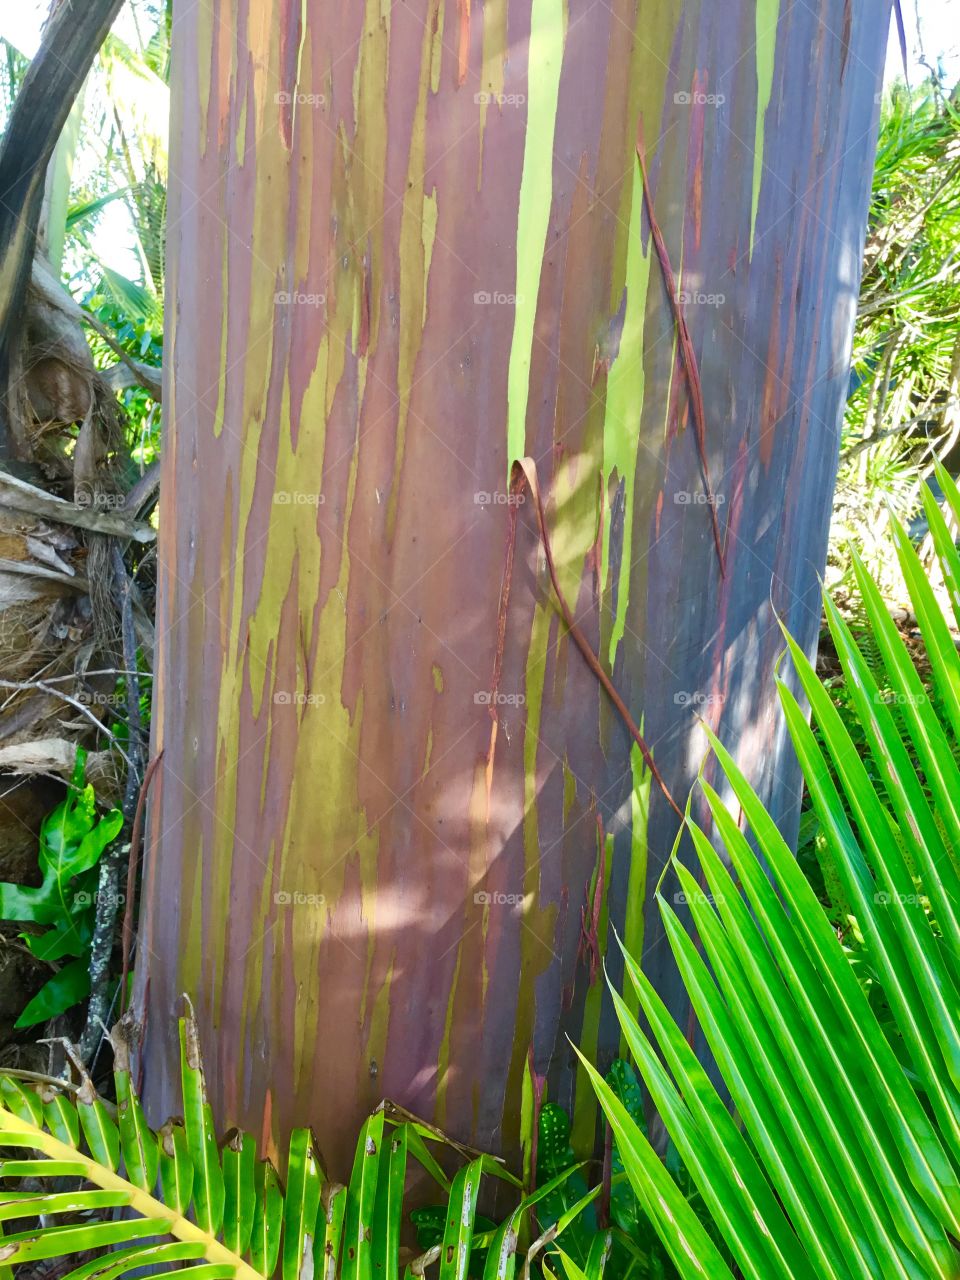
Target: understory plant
95,1177
73,839
841,1155
832,1153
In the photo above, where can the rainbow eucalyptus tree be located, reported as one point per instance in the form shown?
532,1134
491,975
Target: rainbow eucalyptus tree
398,816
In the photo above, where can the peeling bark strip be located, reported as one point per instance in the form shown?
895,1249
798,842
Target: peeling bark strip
528,469
686,349
433,269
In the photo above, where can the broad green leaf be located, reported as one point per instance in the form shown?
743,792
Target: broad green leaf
809,954
176,1167
31,1204
301,1203
361,1201
122,1261
67,987
238,1161
388,1213
694,1254
21,1099
713,1149
458,1231
208,1193
501,1261
813,1040
60,1116
141,1153
267,1219
333,1204
99,1129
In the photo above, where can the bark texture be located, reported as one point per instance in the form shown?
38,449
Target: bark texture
407,245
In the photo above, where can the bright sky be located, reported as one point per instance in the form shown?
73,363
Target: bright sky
938,20
933,33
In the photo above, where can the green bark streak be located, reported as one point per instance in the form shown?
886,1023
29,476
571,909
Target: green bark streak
768,16
624,406
548,22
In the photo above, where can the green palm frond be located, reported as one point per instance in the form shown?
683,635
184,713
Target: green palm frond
176,1200
843,1156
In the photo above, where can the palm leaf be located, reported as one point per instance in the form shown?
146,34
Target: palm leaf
847,1160
172,1200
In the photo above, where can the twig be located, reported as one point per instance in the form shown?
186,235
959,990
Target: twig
132,864
686,348
24,686
528,473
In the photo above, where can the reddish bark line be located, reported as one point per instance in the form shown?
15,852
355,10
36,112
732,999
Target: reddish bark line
686,348
528,469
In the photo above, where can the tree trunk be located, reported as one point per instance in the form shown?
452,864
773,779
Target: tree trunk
408,244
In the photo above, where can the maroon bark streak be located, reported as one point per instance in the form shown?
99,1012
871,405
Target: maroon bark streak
386,597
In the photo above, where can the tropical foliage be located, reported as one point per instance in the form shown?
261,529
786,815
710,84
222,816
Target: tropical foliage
174,1196
73,838
903,410
844,1155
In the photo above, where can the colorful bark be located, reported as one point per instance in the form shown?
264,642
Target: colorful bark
332,573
